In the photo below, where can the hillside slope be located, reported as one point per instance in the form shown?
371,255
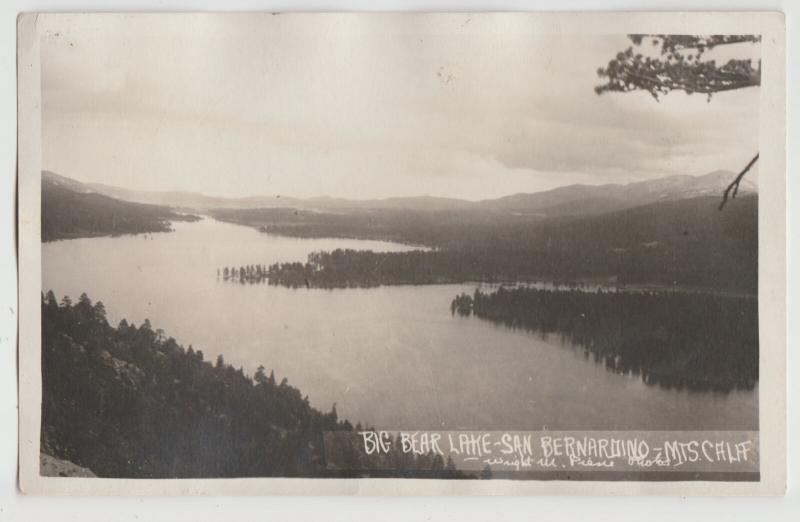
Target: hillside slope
129,402
70,212
682,243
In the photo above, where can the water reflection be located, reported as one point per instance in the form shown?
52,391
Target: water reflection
673,340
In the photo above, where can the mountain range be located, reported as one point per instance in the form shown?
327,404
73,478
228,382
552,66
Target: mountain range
567,200
665,231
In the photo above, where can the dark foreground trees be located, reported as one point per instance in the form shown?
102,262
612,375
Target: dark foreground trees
130,402
698,341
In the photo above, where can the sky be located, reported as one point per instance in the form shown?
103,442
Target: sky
466,106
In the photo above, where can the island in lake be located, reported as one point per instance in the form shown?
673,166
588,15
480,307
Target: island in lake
380,312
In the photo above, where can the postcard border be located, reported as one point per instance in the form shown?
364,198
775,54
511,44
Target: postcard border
772,274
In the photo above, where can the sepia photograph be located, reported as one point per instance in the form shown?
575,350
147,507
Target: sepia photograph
453,247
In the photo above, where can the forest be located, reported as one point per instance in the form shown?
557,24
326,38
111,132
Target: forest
361,268
130,402
69,214
674,340
684,243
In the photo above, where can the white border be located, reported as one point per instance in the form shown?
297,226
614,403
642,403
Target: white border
772,269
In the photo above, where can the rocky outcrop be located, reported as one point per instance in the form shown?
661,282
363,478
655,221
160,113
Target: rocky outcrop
130,375
50,466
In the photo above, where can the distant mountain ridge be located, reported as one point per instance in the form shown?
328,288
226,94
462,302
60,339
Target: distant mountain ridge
614,196
567,200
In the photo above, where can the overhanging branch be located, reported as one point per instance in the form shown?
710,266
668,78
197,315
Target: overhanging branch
735,183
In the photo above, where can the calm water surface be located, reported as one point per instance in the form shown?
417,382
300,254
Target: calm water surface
393,357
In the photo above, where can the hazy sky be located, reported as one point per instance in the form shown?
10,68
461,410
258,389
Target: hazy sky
363,107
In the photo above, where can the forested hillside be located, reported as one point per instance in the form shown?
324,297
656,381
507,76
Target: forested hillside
129,401
68,213
697,341
687,243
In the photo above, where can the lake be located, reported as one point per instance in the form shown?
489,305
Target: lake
392,357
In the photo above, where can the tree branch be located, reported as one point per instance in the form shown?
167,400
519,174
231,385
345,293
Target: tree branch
735,183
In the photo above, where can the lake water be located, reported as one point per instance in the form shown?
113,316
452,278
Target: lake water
393,357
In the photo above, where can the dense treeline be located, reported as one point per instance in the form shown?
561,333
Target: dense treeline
678,243
244,274
365,268
68,214
698,341
128,401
